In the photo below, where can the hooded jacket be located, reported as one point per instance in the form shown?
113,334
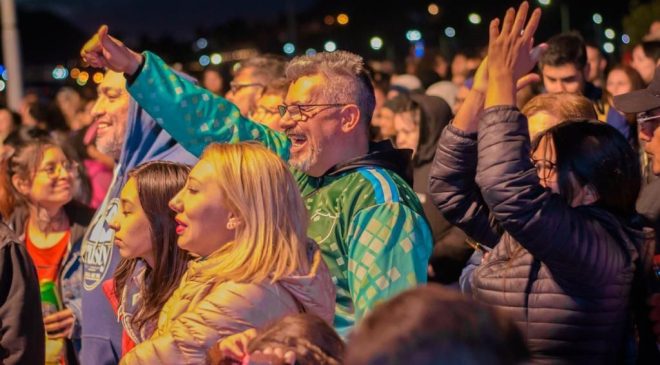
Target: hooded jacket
22,338
101,332
562,273
205,308
363,214
69,283
450,251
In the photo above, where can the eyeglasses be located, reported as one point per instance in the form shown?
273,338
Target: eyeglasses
648,123
545,169
53,170
235,87
262,110
299,113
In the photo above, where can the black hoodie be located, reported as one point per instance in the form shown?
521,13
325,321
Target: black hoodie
450,252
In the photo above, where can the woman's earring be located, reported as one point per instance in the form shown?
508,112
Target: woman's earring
231,224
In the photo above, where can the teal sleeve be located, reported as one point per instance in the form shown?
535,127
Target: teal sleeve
194,116
389,250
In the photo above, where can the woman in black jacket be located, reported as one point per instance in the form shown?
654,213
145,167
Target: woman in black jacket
564,246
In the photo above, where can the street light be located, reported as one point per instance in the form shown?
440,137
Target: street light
544,2
433,9
597,18
202,43
474,18
330,46
609,33
289,48
608,47
204,60
216,58
450,32
376,43
413,35
625,39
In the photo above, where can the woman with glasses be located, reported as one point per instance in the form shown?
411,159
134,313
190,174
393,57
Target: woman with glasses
562,224
51,225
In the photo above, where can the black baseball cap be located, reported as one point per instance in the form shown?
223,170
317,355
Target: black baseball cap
641,100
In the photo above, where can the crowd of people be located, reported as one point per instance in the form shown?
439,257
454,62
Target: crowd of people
500,208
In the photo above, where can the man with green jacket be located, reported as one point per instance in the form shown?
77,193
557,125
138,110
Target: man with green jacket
362,211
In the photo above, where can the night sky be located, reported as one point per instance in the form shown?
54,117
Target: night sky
178,18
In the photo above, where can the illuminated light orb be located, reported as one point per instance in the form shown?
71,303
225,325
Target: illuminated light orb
330,46
216,58
608,47
376,43
289,48
597,18
413,35
609,33
202,43
474,18
98,77
433,9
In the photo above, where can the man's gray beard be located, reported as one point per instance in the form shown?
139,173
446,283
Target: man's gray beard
112,149
306,164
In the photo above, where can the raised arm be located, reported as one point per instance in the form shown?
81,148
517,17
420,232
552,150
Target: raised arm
570,241
452,177
192,115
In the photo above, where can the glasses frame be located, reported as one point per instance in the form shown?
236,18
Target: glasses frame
71,169
648,123
284,109
236,87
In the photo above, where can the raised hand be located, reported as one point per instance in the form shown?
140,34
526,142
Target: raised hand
511,54
105,51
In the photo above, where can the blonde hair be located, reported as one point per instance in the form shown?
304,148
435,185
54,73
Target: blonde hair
257,187
564,106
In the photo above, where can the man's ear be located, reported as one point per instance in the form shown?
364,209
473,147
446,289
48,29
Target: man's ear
21,185
349,117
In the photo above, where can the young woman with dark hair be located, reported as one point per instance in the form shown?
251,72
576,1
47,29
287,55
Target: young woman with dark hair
560,224
241,217
145,233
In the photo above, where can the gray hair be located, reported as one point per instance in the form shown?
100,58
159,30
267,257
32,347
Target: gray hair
348,80
265,68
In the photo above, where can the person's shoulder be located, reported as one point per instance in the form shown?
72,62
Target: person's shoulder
7,236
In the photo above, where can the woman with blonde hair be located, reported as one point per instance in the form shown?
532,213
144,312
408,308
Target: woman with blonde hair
241,216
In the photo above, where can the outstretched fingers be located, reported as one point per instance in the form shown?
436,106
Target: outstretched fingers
494,30
507,23
532,24
521,17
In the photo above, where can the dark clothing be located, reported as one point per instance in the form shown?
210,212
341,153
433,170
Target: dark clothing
563,273
69,277
648,205
381,154
450,253
21,325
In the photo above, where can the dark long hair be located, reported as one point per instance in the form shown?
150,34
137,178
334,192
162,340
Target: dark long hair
595,154
157,182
